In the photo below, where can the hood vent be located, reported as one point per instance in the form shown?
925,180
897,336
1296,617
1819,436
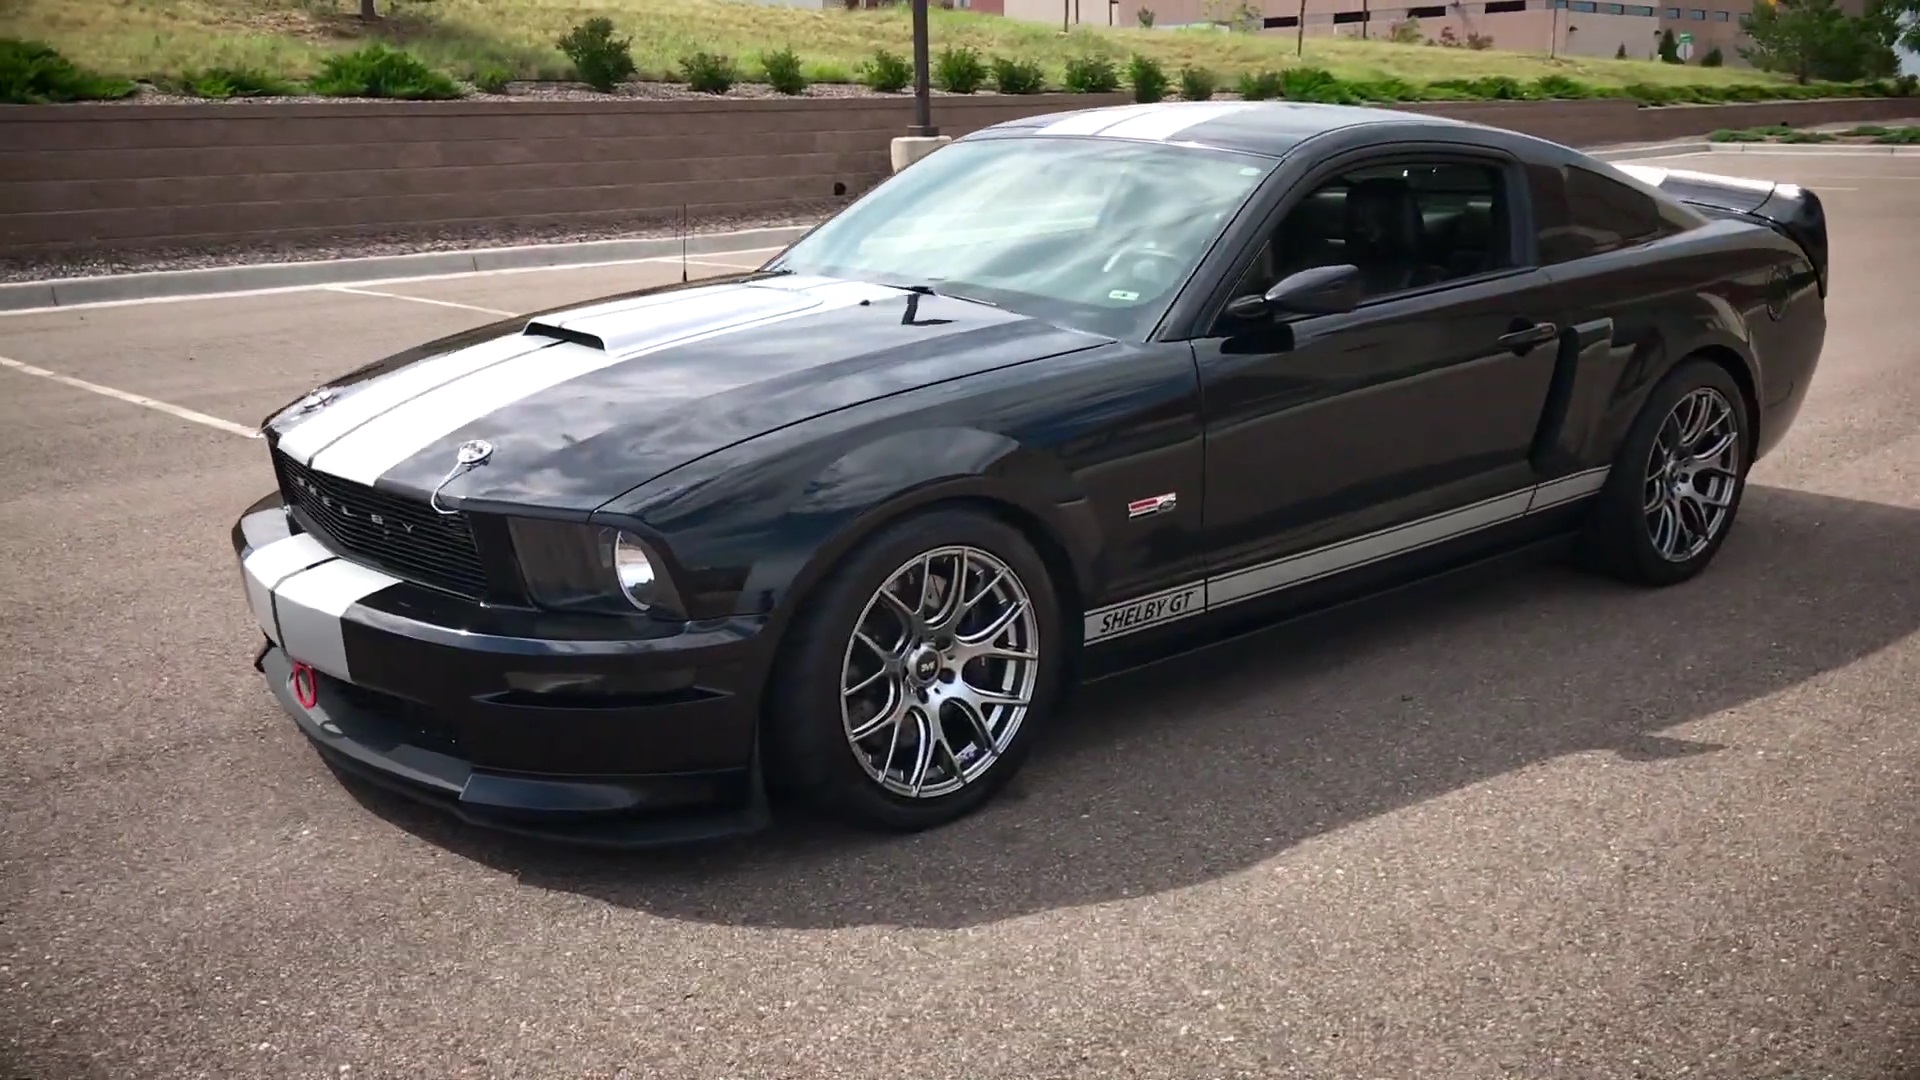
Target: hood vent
557,332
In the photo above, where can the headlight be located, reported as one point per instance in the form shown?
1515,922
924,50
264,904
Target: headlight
569,566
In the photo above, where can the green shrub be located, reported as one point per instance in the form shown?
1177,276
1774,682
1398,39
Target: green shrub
1808,137
601,60
1260,85
1621,52
1197,84
1732,135
1018,76
1091,75
960,70
492,80
784,71
1906,86
1148,79
1714,58
1906,136
223,83
379,72
709,73
1559,86
1315,84
887,72
32,73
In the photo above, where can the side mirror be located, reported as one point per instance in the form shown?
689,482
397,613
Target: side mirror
1319,290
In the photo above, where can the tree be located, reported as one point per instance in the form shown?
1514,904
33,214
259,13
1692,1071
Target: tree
1669,48
1813,39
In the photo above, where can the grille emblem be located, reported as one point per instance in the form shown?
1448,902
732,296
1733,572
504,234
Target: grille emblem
316,399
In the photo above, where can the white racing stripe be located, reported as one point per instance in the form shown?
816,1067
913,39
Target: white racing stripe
310,605
1165,123
1212,594
1089,123
309,436
396,435
267,566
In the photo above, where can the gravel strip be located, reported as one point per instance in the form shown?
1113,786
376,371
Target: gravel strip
56,265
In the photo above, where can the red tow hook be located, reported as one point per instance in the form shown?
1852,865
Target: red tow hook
305,684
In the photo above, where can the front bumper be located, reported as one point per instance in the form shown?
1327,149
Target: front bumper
584,729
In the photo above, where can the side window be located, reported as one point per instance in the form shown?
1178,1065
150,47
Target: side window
1578,212
1406,226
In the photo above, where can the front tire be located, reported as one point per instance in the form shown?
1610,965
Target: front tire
1677,481
909,690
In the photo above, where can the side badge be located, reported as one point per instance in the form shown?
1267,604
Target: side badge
1158,504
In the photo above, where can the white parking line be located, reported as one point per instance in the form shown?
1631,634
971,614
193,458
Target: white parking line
415,299
136,399
284,289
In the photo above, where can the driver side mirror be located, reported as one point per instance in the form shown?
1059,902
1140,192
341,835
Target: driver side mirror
1319,290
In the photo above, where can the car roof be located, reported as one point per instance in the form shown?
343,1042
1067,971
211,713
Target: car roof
1257,127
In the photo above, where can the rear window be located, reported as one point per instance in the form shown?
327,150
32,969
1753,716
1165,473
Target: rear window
1578,213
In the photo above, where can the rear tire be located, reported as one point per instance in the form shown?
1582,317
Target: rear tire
890,706
1676,482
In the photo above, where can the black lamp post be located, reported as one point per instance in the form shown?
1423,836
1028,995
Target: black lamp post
922,94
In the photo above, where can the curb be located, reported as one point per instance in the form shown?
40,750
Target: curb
158,284
1830,149
1615,153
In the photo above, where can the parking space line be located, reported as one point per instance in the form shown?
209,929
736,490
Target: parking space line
416,299
136,399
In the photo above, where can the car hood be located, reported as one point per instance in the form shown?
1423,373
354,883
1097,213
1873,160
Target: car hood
582,404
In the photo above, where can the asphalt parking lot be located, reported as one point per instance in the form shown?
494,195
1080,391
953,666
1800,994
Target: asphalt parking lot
1540,828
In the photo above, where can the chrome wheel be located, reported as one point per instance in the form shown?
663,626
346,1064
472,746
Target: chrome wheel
1692,475
940,672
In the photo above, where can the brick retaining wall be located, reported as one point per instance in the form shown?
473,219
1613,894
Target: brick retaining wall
129,177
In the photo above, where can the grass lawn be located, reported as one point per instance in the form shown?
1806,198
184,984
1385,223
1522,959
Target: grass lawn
145,38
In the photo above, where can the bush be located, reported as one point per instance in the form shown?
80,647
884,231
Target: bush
32,73
1714,58
1145,17
960,71
1731,135
601,60
492,80
1621,52
1906,136
1018,76
379,72
783,70
1148,79
887,72
1197,84
1559,86
223,83
1260,85
709,73
1387,89
1314,84
1091,75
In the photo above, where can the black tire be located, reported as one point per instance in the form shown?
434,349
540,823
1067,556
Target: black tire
1618,539
812,756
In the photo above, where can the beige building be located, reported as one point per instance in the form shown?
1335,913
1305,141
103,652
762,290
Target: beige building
1557,27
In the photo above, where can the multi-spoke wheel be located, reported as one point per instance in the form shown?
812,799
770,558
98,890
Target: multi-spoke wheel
1676,481
908,689
940,671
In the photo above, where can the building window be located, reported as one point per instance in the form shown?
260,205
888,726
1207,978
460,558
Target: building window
1349,16
1275,22
1720,16
1673,13
1613,9
1697,15
1437,12
1495,7
1582,5
1636,10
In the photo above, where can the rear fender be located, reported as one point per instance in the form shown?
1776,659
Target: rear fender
1789,209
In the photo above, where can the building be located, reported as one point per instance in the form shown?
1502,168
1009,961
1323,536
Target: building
1558,27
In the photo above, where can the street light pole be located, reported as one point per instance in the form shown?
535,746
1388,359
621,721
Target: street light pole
922,93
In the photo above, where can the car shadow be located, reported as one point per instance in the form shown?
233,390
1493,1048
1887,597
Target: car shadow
1205,766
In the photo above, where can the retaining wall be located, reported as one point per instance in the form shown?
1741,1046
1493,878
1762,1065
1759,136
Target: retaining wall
132,177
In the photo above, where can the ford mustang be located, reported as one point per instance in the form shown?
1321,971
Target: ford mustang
1072,393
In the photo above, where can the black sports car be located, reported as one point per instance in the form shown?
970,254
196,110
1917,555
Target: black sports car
1070,393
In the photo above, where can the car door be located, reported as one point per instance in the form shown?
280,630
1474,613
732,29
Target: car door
1337,441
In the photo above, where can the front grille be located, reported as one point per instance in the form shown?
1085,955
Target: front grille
403,721
405,537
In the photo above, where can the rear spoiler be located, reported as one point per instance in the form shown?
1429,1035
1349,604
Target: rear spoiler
1789,209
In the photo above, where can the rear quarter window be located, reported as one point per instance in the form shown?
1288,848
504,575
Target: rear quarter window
1578,212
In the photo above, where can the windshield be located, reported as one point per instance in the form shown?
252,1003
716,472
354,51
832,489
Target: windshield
1094,234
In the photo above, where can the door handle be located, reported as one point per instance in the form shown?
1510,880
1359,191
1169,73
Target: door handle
1527,337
